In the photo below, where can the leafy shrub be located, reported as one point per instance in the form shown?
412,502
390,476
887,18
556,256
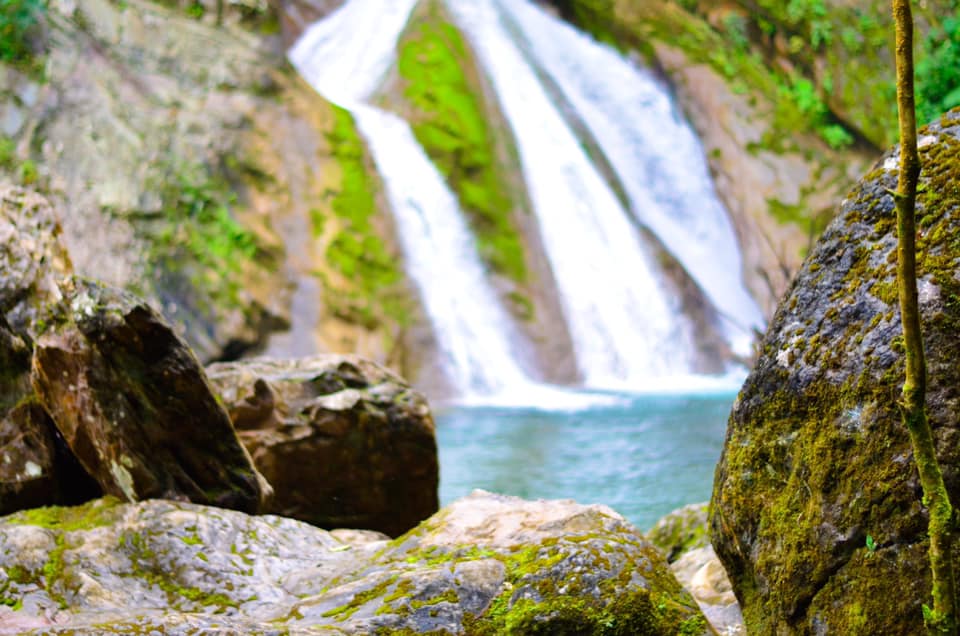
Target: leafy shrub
19,23
938,71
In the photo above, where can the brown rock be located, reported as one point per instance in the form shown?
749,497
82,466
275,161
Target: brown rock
344,442
133,404
36,468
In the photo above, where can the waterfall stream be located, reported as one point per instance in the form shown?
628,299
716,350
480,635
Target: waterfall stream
656,156
345,57
627,328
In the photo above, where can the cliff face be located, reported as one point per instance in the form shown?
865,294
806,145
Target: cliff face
190,163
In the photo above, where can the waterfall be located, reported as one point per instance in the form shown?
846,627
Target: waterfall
626,330
656,156
345,57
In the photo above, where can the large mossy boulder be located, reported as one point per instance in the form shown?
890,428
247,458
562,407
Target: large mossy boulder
817,510
133,404
485,565
344,442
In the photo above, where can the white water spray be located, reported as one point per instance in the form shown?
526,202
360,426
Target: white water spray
626,330
345,57
656,156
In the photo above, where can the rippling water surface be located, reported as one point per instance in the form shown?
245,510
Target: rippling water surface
643,456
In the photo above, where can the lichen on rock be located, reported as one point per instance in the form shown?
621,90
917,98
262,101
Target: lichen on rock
816,512
487,564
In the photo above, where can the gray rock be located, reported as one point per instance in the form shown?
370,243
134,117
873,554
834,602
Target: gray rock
816,459
487,564
33,261
343,441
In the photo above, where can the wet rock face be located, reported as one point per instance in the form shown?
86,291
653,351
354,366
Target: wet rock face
485,565
134,406
344,442
816,459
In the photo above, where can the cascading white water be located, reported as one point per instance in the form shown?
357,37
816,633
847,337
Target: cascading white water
345,57
625,329
655,154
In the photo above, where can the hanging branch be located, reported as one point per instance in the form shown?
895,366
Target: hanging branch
941,619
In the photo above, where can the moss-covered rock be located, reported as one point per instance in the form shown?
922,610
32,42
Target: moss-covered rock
485,565
344,442
816,511
682,530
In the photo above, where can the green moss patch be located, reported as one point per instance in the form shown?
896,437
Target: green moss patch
451,122
373,286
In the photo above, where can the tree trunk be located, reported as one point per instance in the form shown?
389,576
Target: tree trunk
941,619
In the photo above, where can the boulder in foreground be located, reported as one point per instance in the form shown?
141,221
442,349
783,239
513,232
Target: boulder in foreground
817,510
487,564
134,405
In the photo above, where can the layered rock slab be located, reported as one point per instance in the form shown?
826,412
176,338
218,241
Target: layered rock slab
344,442
487,564
816,460
133,404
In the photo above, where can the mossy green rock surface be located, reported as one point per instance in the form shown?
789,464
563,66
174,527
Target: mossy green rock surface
682,530
487,564
816,512
344,442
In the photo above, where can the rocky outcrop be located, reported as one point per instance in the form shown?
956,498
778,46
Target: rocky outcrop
94,382
133,404
682,537
36,467
485,565
817,512
344,442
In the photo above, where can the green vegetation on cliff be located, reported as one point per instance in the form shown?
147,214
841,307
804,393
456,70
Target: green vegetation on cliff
357,251
938,71
442,86
19,26
199,237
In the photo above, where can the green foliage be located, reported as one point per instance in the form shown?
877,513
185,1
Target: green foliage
938,71
452,127
199,235
357,251
25,172
19,23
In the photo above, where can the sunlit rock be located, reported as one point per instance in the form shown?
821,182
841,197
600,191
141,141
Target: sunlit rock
487,564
